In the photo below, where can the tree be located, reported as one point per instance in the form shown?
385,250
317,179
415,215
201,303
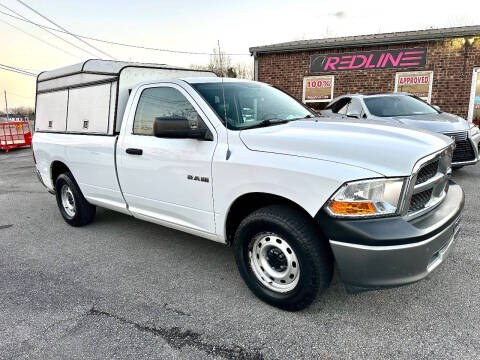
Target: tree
221,65
243,70
23,110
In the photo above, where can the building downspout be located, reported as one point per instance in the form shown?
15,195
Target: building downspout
255,66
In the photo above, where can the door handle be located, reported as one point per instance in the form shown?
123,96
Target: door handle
133,151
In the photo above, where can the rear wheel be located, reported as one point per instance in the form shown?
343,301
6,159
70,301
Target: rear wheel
73,206
282,257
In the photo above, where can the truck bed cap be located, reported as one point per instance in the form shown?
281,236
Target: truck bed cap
95,66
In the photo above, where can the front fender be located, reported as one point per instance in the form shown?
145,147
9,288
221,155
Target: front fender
309,183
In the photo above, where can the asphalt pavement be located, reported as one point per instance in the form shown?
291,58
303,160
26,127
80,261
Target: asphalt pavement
122,288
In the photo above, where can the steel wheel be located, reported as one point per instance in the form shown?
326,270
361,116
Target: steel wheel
274,262
68,201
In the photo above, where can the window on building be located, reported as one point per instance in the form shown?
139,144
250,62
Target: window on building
475,101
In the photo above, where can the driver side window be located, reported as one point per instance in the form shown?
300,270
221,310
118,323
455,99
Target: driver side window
163,102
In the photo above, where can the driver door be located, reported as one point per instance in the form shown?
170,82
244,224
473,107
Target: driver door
167,180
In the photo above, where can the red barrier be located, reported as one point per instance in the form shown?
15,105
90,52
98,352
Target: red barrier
14,135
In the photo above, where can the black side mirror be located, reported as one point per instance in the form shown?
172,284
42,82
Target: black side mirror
179,128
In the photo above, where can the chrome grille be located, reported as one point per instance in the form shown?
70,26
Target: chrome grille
428,183
457,136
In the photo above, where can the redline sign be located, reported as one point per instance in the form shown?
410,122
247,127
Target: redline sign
368,60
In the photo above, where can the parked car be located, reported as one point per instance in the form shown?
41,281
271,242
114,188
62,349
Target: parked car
289,193
409,110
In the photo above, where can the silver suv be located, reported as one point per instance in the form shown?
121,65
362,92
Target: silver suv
409,110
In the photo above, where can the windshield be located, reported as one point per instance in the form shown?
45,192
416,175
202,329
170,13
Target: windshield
250,104
384,106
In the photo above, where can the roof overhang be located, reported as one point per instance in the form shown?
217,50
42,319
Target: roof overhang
420,36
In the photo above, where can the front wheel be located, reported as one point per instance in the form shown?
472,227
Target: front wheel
282,257
73,206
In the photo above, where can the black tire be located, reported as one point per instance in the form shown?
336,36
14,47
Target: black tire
312,251
84,212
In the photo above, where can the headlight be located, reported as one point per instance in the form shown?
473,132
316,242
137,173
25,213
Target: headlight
378,197
474,130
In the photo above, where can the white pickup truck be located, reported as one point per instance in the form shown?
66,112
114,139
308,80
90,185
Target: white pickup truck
244,164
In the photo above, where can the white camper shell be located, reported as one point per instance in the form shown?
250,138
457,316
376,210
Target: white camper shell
90,97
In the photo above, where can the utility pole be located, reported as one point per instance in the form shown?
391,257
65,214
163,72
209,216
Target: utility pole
6,104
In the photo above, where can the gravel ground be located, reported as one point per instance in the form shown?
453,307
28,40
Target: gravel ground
124,288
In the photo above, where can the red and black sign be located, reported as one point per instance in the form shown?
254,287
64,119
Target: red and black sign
369,60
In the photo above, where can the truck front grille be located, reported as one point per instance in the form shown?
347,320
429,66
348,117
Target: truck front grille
420,200
429,183
427,172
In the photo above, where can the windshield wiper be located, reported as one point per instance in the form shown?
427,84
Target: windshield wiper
309,116
268,122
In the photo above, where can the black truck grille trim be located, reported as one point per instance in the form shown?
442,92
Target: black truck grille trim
427,172
420,200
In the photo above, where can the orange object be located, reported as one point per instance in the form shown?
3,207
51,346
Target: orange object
14,135
352,208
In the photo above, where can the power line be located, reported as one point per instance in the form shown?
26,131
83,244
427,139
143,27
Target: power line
17,70
50,32
124,44
35,37
69,33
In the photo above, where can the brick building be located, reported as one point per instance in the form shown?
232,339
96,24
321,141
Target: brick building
440,65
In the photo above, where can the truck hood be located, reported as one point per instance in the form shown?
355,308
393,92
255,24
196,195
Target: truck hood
389,150
442,123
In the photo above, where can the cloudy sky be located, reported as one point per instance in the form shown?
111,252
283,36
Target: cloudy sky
196,26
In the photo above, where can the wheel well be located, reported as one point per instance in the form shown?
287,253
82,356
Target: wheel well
57,168
248,203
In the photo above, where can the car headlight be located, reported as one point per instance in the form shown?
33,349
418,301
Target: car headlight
474,130
377,197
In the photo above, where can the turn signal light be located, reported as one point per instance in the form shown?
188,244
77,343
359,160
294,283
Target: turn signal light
352,208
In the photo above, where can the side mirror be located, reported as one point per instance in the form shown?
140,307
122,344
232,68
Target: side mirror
436,107
179,128
354,114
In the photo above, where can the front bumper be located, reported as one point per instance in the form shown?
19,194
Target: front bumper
389,252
